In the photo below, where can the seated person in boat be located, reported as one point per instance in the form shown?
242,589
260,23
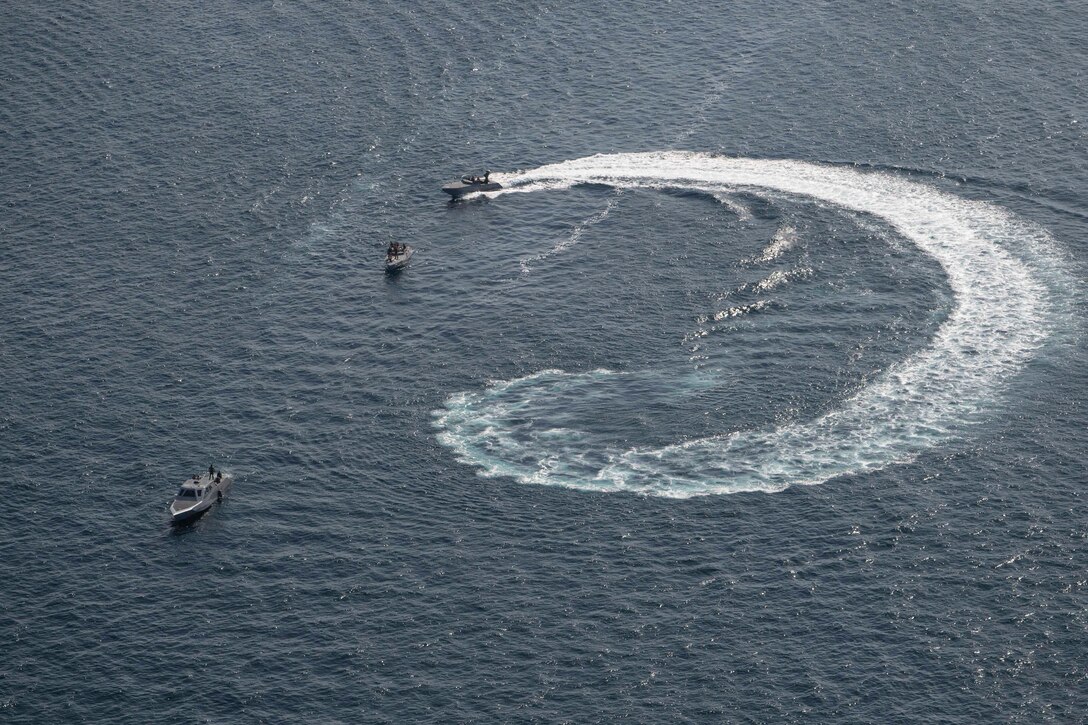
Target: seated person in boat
477,179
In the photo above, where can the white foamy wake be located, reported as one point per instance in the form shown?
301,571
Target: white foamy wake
779,277
571,239
738,310
783,240
726,199
1002,312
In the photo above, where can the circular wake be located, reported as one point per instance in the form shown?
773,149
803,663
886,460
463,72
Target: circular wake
1001,313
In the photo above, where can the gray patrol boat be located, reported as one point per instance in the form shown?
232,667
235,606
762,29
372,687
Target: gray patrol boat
198,494
471,185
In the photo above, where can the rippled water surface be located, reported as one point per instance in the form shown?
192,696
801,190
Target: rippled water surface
757,394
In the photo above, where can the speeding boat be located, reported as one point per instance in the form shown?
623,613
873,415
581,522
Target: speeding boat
399,259
471,185
197,495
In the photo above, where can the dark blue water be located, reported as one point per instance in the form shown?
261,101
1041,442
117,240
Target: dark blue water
759,395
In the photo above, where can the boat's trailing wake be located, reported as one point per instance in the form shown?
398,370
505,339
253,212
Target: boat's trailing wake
571,239
1002,312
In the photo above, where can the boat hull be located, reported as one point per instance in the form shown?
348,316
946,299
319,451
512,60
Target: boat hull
190,514
400,261
458,189
183,512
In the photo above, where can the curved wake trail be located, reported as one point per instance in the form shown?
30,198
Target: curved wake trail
1001,313
571,239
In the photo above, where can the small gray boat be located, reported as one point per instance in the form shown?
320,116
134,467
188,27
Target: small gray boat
471,185
198,494
395,260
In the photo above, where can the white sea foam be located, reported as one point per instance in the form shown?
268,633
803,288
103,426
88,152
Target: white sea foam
743,213
1003,311
739,310
571,239
727,197
783,241
779,277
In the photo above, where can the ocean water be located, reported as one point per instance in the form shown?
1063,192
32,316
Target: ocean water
758,394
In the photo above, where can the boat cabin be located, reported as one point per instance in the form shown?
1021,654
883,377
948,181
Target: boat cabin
192,490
